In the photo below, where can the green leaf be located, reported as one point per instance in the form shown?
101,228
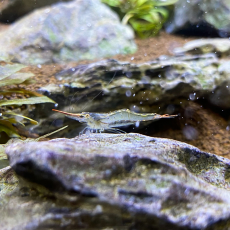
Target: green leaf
8,129
126,18
113,3
3,156
144,28
9,69
151,18
141,2
27,101
10,75
145,16
15,79
19,115
20,91
12,120
165,2
161,11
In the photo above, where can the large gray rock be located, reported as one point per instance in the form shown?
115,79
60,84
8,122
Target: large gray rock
115,181
64,32
212,13
13,9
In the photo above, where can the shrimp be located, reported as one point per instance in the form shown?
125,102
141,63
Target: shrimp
108,121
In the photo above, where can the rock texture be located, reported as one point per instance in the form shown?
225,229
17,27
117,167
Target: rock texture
159,86
68,31
116,181
219,46
210,14
127,84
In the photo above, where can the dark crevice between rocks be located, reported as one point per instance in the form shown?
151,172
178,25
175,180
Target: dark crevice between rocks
200,30
34,173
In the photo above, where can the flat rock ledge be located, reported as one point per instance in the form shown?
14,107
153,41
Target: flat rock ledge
115,181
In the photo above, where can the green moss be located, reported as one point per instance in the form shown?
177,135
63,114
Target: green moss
52,36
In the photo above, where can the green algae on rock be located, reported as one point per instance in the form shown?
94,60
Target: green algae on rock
67,31
8,183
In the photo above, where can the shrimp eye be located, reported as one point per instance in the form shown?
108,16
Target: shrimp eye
87,115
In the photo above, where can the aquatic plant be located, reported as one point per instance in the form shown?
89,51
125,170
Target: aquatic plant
145,16
12,98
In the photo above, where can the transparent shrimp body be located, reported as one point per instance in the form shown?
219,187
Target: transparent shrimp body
108,121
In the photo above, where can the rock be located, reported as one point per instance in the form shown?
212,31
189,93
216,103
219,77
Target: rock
129,84
8,183
159,86
211,15
7,176
108,181
219,46
64,32
13,9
